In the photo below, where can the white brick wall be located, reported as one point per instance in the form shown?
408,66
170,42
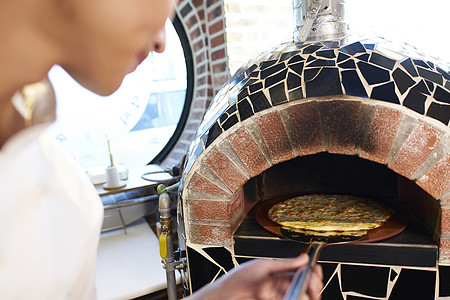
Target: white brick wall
254,26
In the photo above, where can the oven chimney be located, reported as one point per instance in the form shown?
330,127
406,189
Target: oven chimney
319,20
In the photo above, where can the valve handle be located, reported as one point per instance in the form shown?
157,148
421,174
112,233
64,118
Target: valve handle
163,245
161,188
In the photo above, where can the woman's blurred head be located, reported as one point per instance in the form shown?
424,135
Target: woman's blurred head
101,41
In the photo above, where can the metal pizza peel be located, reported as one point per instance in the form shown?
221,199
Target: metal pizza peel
315,243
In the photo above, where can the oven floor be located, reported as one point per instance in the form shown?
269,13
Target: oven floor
413,247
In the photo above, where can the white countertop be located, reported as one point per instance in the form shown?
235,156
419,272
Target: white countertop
129,265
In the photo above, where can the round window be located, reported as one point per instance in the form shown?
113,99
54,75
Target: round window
136,122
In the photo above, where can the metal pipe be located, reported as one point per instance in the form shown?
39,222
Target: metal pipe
166,241
319,20
170,271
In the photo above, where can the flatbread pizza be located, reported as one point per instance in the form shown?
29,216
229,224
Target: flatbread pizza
330,215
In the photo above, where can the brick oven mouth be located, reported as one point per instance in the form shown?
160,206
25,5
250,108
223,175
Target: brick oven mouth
326,173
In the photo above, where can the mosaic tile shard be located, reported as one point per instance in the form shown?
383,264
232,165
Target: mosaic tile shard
296,94
373,74
349,64
294,59
198,150
414,284
274,79
409,66
442,95
230,122
250,70
446,75
353,297
310,74
333,290
265,64
354,48
444,286
255,87
310,59
322,63
439,112
364,57
213,133
254,74
342,57
430,75
329,269
352,84
430,86
297,68
232,94
242,94
316,88
385,92
293,81
221,256
272,70
416,97
370,46
278,94
205,270
382,61
245,109
402,80
312,48
354,278
419,62
393,275
259,101
249,82
326,53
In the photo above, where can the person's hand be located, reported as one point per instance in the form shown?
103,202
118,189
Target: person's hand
261,279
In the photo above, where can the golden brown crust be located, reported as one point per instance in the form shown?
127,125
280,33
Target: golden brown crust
330,214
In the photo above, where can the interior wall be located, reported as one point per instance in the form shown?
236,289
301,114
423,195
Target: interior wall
326,173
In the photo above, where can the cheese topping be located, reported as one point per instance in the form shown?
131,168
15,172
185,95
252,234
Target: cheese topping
330,214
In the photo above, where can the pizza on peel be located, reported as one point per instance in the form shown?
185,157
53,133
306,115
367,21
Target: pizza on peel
330,215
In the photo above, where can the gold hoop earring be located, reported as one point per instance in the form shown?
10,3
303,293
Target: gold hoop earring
30,94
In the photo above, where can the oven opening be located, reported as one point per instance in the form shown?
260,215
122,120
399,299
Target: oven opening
326,173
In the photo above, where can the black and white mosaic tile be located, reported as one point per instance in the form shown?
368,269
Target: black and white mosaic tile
346,281
370,69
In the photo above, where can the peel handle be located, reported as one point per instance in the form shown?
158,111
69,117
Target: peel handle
299,283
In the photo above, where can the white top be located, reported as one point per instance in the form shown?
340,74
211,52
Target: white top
50,221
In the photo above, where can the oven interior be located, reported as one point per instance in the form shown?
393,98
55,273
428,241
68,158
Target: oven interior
326,173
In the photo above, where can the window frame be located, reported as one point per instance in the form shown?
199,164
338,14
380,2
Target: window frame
185,44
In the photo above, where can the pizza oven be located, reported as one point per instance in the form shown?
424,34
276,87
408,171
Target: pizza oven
327,113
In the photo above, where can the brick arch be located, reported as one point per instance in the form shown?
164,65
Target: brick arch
412,145
204,24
